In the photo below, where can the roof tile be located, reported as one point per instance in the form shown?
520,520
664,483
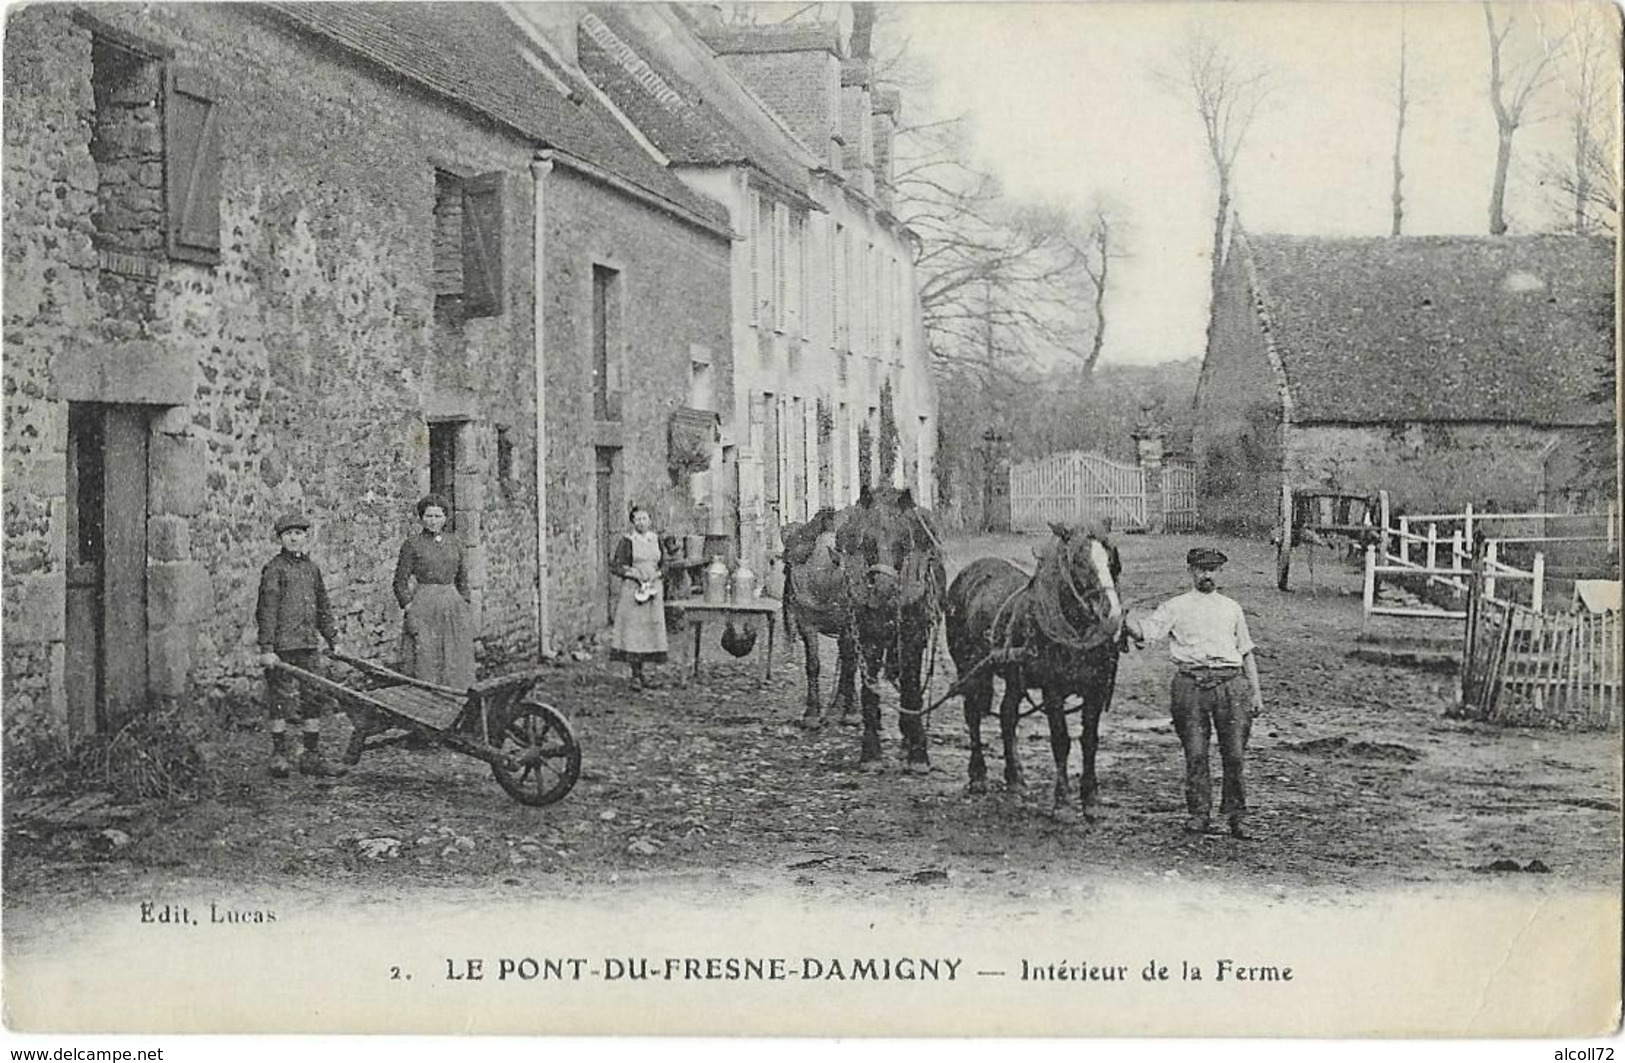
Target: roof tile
1450,328
473,54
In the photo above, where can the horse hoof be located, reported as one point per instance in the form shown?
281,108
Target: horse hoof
919,767
977,786
872,766
1015,785
811,723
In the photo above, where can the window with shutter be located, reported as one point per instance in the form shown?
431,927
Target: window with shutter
832,247
448,235
753,241
770,238
191,169
798,304
781,232
482,245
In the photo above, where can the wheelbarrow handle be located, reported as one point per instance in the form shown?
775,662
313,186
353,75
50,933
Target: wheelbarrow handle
388,673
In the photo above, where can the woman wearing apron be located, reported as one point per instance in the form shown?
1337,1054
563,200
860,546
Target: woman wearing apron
639,636
431,584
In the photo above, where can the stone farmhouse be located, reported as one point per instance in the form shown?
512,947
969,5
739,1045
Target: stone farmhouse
792,136
262,257
1444,370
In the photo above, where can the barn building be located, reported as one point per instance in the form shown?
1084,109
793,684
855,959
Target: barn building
1444,370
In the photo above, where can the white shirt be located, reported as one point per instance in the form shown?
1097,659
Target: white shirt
1203,630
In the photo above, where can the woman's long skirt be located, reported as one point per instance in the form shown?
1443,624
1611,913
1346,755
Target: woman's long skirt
437,637
640,627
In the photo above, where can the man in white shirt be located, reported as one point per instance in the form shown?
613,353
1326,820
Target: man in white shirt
1215,687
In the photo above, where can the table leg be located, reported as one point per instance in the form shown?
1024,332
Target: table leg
770,619
698,626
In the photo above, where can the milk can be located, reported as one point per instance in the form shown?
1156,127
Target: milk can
716,581
744,585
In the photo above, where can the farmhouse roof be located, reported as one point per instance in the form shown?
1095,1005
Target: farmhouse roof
672,87
474,55
1439,328
791,37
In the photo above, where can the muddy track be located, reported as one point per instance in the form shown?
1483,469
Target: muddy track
1357,780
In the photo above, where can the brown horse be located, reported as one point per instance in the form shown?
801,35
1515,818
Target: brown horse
883,609
1056,631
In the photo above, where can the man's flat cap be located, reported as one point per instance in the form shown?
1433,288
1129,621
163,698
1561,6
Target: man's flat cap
289,521
1205,557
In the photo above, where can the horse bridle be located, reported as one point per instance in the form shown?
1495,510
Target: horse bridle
1086,599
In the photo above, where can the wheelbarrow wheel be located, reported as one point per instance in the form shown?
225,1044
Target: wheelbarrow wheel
541,759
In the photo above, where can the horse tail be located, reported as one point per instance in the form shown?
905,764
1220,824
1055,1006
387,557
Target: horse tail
786,606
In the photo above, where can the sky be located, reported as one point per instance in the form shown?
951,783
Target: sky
1061,101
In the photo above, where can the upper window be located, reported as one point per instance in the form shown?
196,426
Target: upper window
468,242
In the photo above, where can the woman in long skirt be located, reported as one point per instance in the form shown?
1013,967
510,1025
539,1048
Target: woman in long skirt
431,583
639,637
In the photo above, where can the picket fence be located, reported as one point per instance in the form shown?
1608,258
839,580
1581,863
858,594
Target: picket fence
1521,667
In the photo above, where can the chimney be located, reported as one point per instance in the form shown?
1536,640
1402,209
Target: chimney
888,111
857,123
794,69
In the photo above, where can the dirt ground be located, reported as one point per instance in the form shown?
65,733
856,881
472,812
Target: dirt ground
1357,778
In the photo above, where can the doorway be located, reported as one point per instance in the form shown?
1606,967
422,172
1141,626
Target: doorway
443,466
607,505
106,611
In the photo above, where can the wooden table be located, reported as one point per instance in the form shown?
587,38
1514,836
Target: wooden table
695,612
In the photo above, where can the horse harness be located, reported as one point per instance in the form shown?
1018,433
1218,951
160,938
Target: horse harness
1009,653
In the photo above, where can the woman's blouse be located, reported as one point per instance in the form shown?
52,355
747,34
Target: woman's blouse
430,559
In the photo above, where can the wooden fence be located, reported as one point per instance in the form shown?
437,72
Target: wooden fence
1525,668
1179,498
1435,551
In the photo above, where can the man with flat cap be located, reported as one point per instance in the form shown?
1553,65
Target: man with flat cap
1215,687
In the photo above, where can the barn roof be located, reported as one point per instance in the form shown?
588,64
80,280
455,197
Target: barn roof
474,55
1439,328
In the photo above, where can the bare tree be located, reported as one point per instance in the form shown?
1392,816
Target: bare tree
1226,91
1105,243
1586,178
1514,82
1402,103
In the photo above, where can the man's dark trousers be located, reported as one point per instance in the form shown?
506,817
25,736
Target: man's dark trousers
1208,701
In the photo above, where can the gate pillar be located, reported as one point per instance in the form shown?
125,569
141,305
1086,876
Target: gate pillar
1148,444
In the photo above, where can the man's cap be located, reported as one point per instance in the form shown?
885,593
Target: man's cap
291,520
1205,557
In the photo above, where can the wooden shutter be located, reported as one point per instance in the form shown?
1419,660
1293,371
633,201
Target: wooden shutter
482,245
780,233
753,240
191,169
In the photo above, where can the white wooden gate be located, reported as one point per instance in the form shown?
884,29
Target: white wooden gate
1178,498
1074,487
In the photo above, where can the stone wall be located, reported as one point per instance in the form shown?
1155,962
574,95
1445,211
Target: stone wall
1429,468
299,373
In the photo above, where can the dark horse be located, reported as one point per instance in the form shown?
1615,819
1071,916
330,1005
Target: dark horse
883,608
815,603
1056,631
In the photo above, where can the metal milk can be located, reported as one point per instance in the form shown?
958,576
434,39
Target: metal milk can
716,581
744,583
